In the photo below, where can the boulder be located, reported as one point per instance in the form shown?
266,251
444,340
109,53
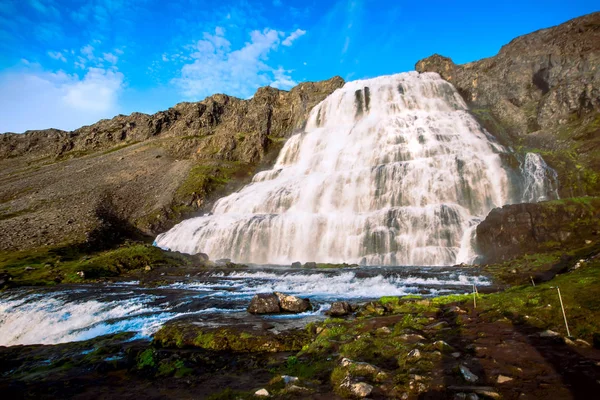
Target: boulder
264,303
292,304
297,264
339,309
310,265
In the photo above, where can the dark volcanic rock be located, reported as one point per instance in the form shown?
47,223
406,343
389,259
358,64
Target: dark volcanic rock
516,229
541,91
264,303
293,304
138,174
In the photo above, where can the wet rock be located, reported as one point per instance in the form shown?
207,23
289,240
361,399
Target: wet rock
299,390
222,262
264,303
310,265
339,309
467,374
504,379
262,393
297,264
292,304
455,354
81,274
582,343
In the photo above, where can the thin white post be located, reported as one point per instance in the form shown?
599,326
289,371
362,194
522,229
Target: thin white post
474,296
532,282
563,311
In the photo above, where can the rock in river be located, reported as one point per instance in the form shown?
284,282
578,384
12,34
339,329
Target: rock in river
292,304
264,303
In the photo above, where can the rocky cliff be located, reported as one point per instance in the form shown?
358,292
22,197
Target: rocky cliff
136,174
559,225
541,93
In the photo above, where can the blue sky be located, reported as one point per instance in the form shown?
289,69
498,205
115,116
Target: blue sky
67,63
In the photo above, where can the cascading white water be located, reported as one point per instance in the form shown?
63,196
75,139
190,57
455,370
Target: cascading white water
389,171
539,180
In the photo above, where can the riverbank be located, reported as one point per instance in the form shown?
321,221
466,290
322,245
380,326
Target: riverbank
511,344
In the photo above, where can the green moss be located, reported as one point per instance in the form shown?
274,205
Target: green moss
146,359
50,265
539,305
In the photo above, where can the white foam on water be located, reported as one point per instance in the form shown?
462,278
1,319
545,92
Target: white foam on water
51,319
333,285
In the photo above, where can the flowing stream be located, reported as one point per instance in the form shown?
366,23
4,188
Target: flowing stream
81,312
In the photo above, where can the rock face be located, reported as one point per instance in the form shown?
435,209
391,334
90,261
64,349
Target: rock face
541,91
515,229
138,174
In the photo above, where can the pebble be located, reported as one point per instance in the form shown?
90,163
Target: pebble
504,379
262,393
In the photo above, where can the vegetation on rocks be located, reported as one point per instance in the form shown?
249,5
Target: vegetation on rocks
48,266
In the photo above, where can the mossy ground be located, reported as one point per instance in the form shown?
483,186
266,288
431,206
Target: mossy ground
47,266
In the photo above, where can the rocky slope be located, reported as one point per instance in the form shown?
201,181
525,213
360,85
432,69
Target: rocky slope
541,93
136,174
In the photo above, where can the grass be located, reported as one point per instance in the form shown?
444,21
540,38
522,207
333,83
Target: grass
47,266
539,306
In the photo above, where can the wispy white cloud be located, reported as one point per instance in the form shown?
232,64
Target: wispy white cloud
293,36
57,56
111,58
217,68
283,80
38,99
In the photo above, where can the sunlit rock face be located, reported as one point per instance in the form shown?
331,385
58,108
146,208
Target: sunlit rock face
388,171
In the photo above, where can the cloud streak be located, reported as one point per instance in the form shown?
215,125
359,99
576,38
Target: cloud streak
218,68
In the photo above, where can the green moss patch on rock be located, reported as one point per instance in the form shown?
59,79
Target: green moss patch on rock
241,338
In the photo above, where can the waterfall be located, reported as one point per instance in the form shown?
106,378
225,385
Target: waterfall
388,171
539,180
